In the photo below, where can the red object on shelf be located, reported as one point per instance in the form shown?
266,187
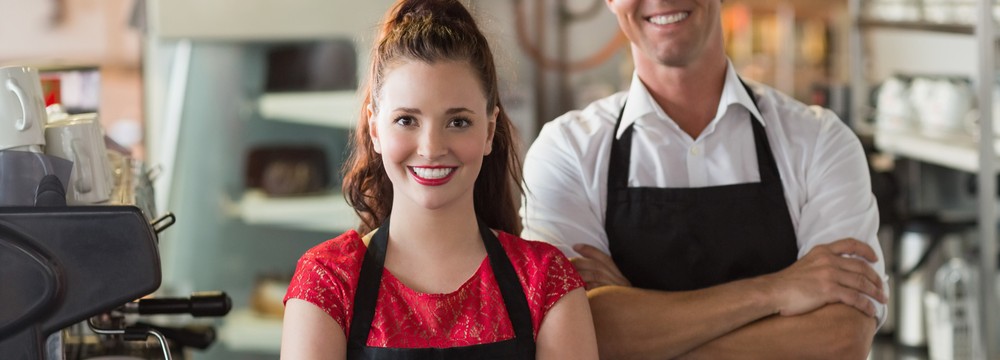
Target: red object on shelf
51,88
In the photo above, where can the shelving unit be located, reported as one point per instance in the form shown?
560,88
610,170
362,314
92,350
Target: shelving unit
327,212
205,72
956,152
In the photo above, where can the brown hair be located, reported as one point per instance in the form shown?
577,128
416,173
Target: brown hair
430,31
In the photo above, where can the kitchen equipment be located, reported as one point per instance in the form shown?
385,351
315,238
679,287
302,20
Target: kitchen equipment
893,109
943,105
893,10
22,109
939,11
953,320
916,259
915,241
61,265
21,172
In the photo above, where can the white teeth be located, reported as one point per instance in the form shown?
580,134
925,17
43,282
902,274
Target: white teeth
668,19
435,173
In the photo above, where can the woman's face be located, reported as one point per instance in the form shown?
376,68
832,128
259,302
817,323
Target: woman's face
432,129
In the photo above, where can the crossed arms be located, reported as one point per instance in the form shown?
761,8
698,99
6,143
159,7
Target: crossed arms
814,309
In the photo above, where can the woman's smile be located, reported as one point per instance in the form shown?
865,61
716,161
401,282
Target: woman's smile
432,175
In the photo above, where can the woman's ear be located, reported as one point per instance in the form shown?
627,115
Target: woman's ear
373,129
491,130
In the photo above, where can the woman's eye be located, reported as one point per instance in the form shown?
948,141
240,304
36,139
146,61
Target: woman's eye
404,121
460,123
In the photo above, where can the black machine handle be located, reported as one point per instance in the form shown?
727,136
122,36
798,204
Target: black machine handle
163,222
200,304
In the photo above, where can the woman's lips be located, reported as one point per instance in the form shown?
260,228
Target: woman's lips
432,175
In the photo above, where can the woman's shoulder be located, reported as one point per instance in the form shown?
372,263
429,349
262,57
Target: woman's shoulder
546,274
346,250
536,254
327,274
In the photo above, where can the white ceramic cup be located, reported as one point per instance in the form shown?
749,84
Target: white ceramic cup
79,139
22,109
943,105
895,112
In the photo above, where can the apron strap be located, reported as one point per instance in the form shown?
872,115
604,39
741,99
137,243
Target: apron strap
513,293
369,281
766,165
621,155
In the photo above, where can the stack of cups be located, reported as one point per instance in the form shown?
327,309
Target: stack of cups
23,167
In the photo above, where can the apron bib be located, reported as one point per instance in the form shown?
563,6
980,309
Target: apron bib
677,239
522,346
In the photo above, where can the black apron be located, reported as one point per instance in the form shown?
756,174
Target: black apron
522,346
677,239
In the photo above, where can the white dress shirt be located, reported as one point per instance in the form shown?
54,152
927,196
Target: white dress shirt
823,168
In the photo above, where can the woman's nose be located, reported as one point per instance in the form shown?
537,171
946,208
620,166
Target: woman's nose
432,144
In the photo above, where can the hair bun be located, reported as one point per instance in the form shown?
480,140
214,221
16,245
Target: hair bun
419,16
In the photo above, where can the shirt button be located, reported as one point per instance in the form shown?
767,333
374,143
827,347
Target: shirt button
694,150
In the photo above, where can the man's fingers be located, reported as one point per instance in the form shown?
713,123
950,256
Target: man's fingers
853,247
862,269
585,264
592,270
591,252
858,301
596,254
594,279
859,283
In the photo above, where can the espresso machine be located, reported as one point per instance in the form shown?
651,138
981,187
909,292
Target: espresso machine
90,265
63,265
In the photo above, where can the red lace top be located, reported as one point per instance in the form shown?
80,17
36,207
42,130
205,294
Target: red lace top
327,276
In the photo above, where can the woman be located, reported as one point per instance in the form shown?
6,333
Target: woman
434,151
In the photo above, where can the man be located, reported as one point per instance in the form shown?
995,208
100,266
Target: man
710,219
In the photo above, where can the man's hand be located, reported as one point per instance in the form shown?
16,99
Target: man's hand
597,268
829,273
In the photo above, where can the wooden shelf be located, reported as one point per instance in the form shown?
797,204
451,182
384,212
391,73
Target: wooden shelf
327,212
324,108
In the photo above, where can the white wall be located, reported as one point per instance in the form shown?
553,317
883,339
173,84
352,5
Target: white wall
920,53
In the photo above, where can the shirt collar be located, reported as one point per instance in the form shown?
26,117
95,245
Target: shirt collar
640,103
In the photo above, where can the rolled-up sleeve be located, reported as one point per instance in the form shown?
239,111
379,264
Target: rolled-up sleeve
564,183
838,199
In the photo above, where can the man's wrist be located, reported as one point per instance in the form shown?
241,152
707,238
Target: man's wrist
763,295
